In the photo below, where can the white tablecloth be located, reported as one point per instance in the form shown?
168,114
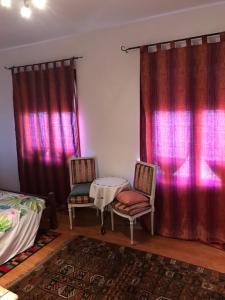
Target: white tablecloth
104,190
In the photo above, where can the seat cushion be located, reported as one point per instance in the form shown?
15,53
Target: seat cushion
131,210
80,189
131,197
80,200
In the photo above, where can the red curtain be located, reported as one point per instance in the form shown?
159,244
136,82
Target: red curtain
46,121
182,130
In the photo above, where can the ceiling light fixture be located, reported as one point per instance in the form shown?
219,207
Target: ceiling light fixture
39,3
25,10
6,3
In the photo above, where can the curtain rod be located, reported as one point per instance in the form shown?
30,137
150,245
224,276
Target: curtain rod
124,49
46,62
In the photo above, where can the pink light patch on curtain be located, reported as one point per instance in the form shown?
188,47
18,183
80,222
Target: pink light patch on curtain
182,175
172,148
208,176
172,134
213,136
172,144
212,146
37,127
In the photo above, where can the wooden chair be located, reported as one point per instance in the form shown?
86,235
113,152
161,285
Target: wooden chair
140,201
82,173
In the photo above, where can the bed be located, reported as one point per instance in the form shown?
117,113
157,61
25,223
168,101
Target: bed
21,216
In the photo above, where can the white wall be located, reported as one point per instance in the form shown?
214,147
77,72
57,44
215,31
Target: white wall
108,83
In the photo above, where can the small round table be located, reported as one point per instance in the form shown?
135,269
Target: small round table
104,190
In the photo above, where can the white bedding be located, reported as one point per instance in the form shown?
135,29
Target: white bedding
20,217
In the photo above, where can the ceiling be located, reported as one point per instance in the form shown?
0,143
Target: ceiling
71,17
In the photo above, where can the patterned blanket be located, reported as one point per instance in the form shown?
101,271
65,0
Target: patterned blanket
13,207
20,217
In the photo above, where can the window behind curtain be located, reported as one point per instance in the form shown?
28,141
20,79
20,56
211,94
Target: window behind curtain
46,121
183,132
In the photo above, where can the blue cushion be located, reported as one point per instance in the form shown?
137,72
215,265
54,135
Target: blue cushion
80,189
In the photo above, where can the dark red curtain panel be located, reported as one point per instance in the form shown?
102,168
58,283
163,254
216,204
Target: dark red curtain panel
183,132
46,120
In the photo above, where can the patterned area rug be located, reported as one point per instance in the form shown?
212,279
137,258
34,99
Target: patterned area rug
41,241
90,269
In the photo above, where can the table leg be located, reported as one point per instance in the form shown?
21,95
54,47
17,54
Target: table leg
102,222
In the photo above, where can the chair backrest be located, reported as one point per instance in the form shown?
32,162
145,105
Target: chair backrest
82,170
145,179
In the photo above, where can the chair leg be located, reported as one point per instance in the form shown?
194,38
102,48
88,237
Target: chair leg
131,232
73,212
97,212
102,222
70,216
102,218
152,222
112,219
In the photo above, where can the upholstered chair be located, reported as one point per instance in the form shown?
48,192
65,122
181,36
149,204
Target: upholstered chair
82,173
140,201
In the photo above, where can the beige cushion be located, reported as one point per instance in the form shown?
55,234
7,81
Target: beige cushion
131,197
